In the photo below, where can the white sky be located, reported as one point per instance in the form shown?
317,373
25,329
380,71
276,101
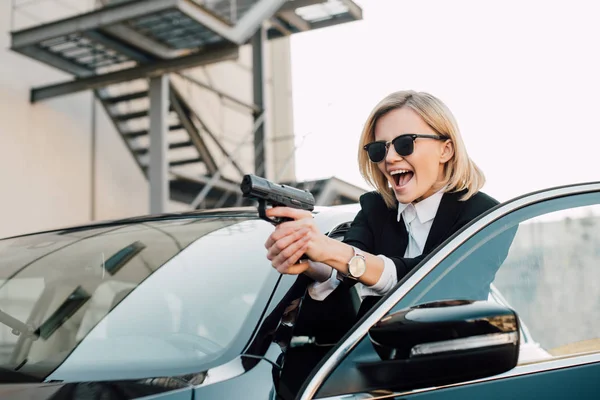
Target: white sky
521,77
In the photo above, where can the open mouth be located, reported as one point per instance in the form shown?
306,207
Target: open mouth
402,177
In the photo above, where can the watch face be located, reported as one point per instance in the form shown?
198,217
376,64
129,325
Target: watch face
357,266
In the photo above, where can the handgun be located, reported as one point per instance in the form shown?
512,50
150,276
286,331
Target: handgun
274,194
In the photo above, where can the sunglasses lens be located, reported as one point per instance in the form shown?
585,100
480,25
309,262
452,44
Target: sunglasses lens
376,152
404,145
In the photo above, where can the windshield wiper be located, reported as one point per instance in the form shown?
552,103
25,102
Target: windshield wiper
12,376
18,327
73,303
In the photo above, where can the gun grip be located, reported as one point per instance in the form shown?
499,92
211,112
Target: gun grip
262,207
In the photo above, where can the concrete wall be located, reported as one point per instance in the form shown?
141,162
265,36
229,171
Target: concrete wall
47,174
551,277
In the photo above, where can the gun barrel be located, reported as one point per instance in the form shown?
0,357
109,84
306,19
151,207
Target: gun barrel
276,194
249,183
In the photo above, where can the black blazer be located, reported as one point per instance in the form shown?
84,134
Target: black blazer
376,230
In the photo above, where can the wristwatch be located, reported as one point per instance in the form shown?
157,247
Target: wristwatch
356,266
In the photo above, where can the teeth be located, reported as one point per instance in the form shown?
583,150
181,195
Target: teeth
399,171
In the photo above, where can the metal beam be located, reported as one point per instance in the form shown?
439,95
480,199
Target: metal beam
118,46
54,60
258,83
337,20
92,20
293,5
293,19
224,95
216,141
278,24
129,35
208,20
145,71
158,165
216,177
253,19
246,26
353,9
192,132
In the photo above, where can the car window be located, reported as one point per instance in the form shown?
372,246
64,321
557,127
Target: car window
542,261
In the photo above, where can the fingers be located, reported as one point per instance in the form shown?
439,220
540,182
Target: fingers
290,255
297,268
290,265
290,239
280,245
287,228
289,212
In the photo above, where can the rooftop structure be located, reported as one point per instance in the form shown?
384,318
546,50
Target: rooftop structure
133,53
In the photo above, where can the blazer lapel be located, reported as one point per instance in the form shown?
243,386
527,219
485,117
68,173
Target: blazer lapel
445,218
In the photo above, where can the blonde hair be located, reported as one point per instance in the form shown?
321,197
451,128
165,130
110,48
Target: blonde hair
460,171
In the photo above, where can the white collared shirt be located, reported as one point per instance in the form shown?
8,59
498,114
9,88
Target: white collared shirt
418,219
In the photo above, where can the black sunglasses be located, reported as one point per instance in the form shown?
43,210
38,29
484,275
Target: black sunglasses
403,144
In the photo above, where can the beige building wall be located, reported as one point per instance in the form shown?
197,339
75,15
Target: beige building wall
47,174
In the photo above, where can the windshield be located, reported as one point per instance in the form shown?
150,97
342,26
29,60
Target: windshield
129,301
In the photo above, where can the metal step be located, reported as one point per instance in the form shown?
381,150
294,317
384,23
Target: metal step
133,115
128,116
176,163
144,132
185,162
126,97
179,145
196,151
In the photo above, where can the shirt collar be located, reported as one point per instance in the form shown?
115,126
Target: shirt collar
426,209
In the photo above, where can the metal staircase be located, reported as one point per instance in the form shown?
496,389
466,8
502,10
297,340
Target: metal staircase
117,49
189,156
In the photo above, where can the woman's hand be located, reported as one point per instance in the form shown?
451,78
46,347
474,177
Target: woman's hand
291,239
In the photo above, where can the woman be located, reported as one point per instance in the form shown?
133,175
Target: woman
426,188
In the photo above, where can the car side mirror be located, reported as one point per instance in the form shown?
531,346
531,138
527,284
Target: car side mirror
441,343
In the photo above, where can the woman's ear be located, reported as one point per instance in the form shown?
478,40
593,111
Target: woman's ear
447,151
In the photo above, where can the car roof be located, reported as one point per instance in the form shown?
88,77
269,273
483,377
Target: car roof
321,212
229,212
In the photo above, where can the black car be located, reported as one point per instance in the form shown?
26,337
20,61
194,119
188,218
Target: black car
187,306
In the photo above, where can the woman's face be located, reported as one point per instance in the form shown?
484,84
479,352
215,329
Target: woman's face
420,174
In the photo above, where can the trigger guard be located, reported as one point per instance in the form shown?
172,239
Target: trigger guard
262,208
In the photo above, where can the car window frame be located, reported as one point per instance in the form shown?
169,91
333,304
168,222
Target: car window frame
388,302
